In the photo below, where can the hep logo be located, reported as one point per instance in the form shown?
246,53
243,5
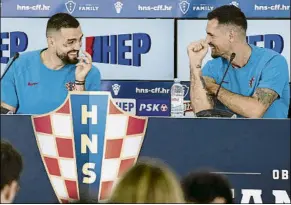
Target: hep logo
127,105
18,43
112,49
271,41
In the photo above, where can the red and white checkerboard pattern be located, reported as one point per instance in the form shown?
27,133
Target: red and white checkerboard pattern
123,140
55,139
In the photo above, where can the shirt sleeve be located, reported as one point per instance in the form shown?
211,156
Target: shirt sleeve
275,75
8,87
210,71
94,80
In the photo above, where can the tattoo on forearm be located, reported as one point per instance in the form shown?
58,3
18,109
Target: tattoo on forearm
203,82
209,96
226,97
265,96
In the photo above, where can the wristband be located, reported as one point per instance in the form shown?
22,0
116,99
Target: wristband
78,82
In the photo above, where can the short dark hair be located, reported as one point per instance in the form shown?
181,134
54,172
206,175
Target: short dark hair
229,14
203,187
61,20
11,164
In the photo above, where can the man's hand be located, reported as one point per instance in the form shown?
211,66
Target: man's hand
83,67
5,108
197,52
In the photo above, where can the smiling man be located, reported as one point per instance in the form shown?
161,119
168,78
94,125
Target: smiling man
257,82
38,81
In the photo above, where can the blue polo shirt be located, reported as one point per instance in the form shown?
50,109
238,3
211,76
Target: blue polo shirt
265,69
33,88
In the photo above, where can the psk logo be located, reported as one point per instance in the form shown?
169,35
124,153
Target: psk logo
118,6
184,6
70,6
86,145
164,107
251,82
186,90
234,3
116,88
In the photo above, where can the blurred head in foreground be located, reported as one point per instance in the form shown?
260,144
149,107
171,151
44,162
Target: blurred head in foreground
148,182
206,187
11,167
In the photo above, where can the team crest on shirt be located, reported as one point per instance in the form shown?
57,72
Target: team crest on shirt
251,82
87,144
70,86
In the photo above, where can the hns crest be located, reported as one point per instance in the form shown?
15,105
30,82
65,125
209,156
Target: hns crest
70,6
184,6
86,144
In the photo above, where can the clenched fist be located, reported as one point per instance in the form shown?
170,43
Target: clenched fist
197,51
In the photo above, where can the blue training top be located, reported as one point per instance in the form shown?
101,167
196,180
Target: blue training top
265,69
33,88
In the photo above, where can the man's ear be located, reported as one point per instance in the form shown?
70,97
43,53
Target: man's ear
8,193
231,35
50,41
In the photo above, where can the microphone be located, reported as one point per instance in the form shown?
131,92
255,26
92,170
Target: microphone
220,84
217,112
10,64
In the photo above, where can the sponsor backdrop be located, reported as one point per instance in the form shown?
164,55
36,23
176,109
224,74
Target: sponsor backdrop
144,39
273,34
149,63
142,8
140,81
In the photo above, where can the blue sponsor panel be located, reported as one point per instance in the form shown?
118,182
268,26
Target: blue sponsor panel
142,8
153,107
89,119
266,9
142,89
127,94
138,89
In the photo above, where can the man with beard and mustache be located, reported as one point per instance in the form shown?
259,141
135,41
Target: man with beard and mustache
257,82
38,81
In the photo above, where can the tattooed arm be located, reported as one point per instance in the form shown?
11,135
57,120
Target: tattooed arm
252,107
199,96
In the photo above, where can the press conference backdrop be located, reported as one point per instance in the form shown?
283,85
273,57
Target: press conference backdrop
142,8
140,50
273,34
147,45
